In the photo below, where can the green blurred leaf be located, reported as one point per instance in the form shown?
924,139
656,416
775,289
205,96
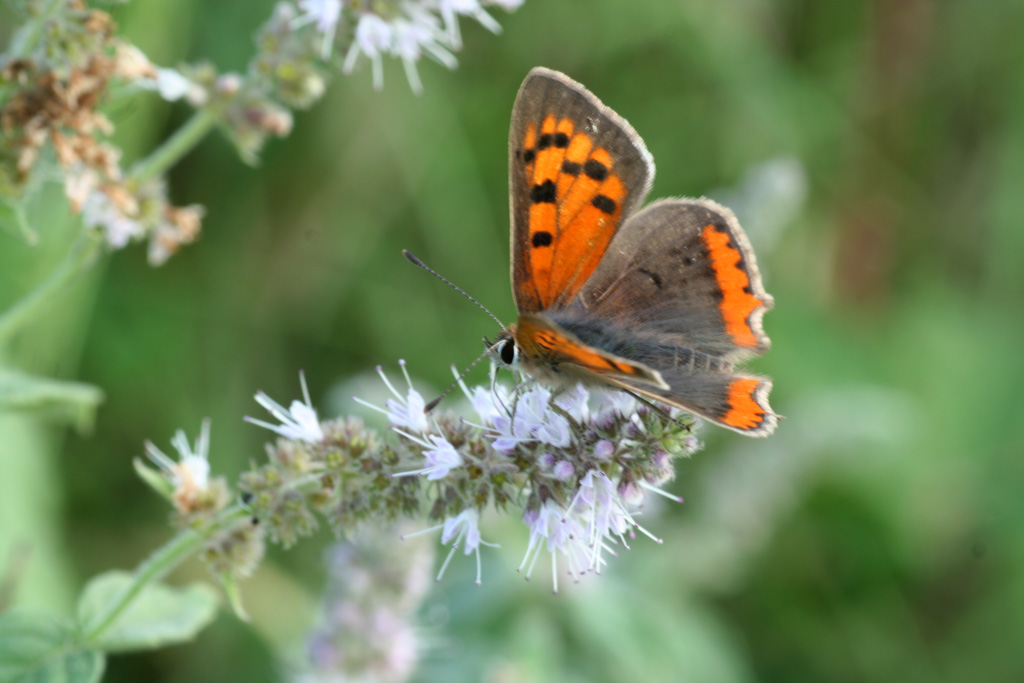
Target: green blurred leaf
157,481
73,401
159,615
234,596
40,647
12,218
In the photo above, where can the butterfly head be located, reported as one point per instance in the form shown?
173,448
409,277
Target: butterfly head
503,351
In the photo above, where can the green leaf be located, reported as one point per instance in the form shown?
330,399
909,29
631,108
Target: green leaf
159,615
40,647
74,401
12,217
234,595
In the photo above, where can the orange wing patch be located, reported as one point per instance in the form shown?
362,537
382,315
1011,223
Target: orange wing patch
542,343
575,206
738,302
744,410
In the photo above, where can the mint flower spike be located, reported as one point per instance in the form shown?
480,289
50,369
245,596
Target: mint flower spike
408,412
298,422
464,528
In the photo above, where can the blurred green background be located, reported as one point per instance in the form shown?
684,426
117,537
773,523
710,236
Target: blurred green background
875,152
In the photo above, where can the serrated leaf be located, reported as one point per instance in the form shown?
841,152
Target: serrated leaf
160,615
40,648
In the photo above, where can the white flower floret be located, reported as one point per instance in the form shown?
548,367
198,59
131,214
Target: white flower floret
575,401
532,419
450,9
418,35
172,86
100,211
600,510
440,455
407,412
551,528
325,14
465,530
563,470
299,421
603,449
190,475
373,38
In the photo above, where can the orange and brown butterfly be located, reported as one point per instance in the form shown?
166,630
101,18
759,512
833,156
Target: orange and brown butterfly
660,301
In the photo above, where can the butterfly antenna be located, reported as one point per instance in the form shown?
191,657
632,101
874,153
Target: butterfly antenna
416,262
433,404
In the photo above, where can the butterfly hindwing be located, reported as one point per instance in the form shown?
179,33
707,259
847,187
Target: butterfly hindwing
576,170
682,271
735,401
702,383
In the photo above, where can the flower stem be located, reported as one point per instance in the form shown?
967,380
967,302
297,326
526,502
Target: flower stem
80,256
176,146
157,565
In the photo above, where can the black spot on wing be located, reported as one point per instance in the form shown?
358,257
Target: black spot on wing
542,239
571,167
561,140
604,204
544,192
595,170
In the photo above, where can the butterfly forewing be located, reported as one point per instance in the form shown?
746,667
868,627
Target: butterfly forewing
576,171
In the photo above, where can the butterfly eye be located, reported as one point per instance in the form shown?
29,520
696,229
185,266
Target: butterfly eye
508,352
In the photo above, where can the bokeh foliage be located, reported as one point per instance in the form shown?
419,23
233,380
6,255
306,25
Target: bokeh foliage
877,536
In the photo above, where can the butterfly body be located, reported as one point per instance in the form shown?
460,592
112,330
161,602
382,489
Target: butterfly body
661,301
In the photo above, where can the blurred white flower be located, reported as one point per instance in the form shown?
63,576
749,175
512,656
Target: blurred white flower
415,36
298,421
450,9
465,530
373,38
325,14
190,475
173,86
413,32
100,211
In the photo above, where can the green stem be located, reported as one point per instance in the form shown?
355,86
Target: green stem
81,255
174,148
157,565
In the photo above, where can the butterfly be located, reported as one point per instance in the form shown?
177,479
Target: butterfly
661,301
